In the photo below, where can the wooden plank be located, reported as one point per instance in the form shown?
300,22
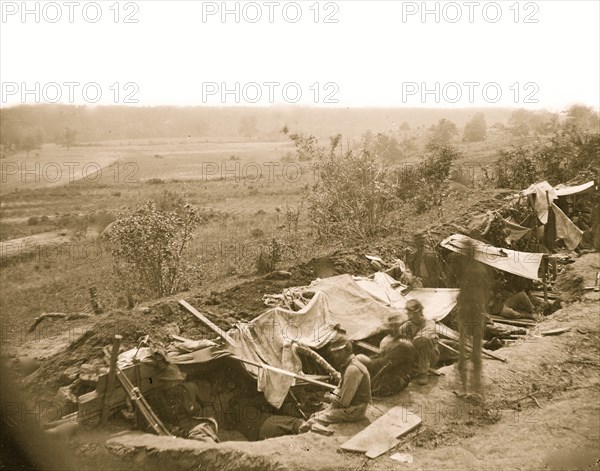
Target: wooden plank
380,448
557,331
516,322
90,404
215,328
448,333
383,434
110,381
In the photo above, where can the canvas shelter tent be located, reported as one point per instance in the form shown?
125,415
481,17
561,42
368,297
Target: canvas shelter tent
557,225
525,264
564,190
359,305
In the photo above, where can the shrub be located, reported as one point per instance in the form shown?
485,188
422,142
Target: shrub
287,157
148,246
425,183
269,255
352,198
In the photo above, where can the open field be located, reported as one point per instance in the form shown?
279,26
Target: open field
51,253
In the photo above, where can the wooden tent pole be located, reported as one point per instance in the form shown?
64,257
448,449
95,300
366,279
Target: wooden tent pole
545,277
112,375
284,372
220,332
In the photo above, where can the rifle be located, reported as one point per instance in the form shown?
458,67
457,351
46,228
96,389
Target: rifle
142,404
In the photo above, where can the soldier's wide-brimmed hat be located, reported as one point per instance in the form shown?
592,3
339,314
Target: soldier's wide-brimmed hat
414,305
339,342
171,373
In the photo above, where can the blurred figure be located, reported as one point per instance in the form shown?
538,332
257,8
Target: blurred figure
472,300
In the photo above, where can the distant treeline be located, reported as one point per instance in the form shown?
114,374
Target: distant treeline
27,126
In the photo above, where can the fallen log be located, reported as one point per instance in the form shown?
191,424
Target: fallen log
58,315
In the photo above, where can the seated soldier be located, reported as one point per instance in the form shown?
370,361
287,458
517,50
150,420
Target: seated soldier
177,405
421,332
392,368
349,401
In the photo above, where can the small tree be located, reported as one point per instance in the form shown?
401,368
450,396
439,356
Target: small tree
404,128
475,129
307,148
515,168
441,134
520,122
28,144
248,126
433,171
385,147
148,246
69,137
353,196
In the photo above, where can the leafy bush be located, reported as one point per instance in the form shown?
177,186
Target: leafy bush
269,255
148,245
571,152
353,196
516,168
425,183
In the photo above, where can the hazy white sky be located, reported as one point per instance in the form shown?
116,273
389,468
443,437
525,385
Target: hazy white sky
341,53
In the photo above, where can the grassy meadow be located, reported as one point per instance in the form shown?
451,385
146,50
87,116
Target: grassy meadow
247,186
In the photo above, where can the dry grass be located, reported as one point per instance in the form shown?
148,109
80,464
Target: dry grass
58,278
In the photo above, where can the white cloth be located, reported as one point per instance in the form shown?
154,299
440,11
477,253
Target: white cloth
525,264
563,190
566,229
543,192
